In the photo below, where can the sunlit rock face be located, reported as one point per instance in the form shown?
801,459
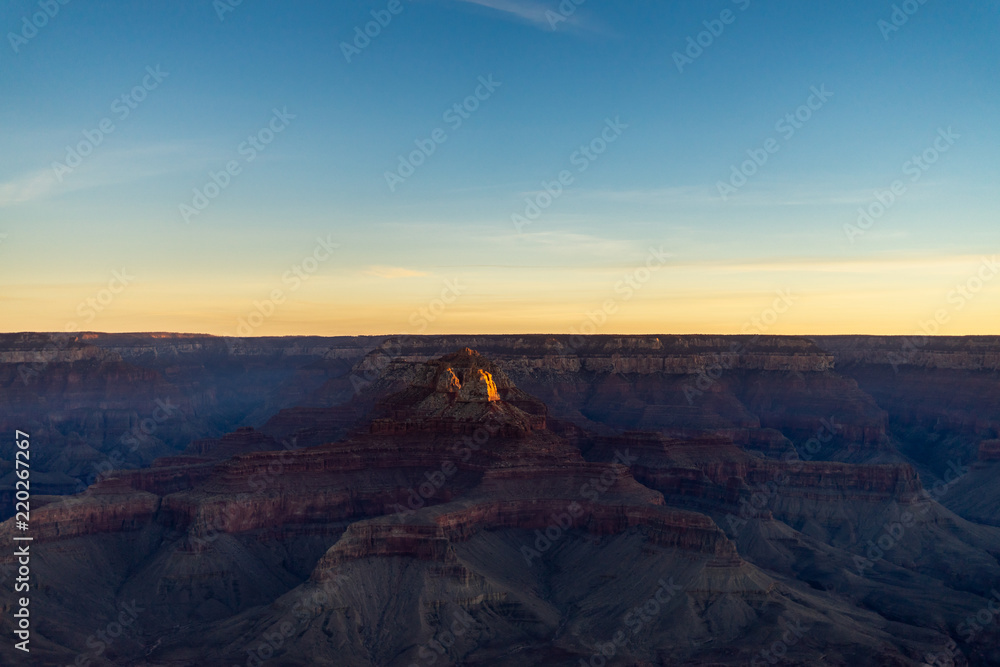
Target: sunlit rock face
448,382
479,388
458,393
470,383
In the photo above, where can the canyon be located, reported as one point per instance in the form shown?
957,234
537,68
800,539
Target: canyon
338,501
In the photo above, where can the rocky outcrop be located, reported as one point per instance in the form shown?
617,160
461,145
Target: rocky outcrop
653,488
459,393
84,393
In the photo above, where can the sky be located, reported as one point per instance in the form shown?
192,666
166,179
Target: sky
500,166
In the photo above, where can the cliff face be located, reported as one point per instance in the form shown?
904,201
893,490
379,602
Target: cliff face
105,509
685,531
678,384
95,400
941,397
623,354
98,402
970,353
460,393
543,489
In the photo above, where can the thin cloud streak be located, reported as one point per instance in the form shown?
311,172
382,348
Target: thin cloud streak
391,272
27,188
531,12
542,15
111,167
943,264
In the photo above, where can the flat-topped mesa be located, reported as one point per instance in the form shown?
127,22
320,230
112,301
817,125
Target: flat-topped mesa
459,393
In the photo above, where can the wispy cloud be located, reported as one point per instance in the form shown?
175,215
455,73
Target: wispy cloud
525,10
559,246
763,196
693,195
28,187
391,272
111,167
924,264
543,15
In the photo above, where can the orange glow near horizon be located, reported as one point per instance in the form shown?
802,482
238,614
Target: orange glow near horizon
951,296
678,304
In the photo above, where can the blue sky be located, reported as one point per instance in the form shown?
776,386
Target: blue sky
655,185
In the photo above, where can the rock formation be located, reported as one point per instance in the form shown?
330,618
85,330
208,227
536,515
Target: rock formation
386,488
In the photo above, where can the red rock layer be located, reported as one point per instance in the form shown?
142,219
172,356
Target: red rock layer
111,508
687,531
